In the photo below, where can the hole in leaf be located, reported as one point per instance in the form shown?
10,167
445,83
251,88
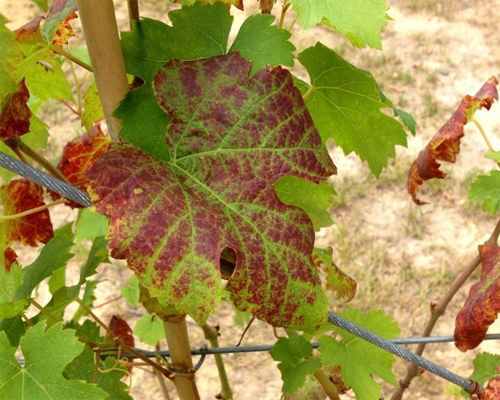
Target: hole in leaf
227,262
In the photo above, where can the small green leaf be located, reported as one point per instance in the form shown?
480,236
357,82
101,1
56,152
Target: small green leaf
90,225
14,328
263,44
132,292
54,255
296,362
46,354
485,365
92,107
42,4
149,329
345,104
493,155
486,188
98,254
10,281
88,299
314,199
407,119
58,303
57,280
46,80
358,359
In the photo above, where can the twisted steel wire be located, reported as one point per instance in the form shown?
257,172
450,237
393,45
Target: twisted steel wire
43,179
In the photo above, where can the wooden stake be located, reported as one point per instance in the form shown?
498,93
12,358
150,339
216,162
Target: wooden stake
101,34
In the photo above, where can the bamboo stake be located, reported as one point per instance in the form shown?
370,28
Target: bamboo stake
180,355
101,34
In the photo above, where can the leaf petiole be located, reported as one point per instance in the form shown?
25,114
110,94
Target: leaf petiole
483,133
31,211
70,57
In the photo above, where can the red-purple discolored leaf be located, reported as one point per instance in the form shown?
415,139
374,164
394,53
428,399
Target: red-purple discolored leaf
78,156
483,303
492,391
230,139
445,145
15,114
122,330
30,32
18,196
9,257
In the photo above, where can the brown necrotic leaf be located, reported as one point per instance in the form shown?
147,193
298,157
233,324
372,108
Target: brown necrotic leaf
483,303
18,196
230,139
9,257
492,391
122,330
64,31
78,156
15,114
445,145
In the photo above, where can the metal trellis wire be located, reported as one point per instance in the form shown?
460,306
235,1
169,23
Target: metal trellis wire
82,198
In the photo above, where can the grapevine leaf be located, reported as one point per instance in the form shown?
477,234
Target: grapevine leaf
10,281
486,188
43,4
493,155
359,359
358,20
314,199
482,305
54,255
336,280
46,80
11,52
92,108
445,145
57,280
296,362
149,329
222,122
9,257
15,114
485,365
30,32
122,330
132,292
345,104
64,31
492,391
90,225
58,303
310,390
237,3
46,354
88,299
98,254
19,196
269,47
78,156
14,328
407,119
58,13
107,377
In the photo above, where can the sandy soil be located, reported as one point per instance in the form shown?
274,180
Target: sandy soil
402,256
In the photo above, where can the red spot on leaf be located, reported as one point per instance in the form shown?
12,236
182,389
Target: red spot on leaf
15,115
30,32
445,145
64,31
483,303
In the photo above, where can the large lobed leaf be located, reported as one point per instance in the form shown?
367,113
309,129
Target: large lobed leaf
483,303
445,145
229,140
486,188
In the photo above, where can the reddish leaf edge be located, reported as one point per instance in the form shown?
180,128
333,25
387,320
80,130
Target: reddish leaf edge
445,144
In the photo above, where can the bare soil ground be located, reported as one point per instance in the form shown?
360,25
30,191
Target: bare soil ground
402,256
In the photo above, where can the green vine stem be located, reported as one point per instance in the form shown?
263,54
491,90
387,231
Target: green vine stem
161,378
133,12
70,57
483,134
328,386
180,355
31,211
285,8
438,310
308,93
212,335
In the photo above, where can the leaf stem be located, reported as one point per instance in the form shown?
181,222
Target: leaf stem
328,386
69,107
212,335
107,302
78,87
70,57
308,93
44,311
438,310
161,379
284,9
31,211
133,12
483,133
245,331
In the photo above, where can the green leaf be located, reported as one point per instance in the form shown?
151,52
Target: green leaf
108,375
46,80
223,122
46,354
486,189
98,254
92,107
345,104
88,299
132,292
314,199
358,359
54,255
407,119
485,365
10,281
493,155
90,225
58,303
57,280
296,362
263,44
11,52
359,21
42,4
14,328
149,329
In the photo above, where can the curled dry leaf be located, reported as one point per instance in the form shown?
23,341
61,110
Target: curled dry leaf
492,391
483,303
78,156
445,145
15,114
